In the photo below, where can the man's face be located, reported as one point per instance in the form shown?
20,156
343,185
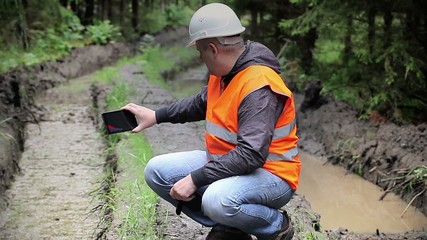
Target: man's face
206,55
202,50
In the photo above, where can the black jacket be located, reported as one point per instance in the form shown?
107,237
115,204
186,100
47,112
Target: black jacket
257,117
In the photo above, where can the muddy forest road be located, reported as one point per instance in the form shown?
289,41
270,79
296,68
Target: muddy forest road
63,163
64,158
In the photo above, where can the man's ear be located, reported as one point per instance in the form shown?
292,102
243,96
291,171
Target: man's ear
212,47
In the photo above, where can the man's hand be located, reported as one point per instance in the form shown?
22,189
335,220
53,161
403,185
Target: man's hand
145,116
183,189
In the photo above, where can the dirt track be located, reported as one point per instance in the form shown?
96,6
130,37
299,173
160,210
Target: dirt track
61,165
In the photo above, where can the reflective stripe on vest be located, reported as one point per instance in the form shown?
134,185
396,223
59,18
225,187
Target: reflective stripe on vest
231,137
287,156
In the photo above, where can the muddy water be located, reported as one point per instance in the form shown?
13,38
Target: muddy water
62,163
349,201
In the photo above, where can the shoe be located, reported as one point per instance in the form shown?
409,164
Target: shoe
287,232
227,233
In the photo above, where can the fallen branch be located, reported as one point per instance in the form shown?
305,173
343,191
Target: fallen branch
384,194
409,204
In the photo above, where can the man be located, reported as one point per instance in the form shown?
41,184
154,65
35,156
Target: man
251,167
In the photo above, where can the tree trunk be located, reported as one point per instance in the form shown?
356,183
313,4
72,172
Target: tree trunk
306,46
122,12
77,8
64,3
89,11
135,15
21,26
74,8
388,19
254,22
347,40
101,11
109,9
371,28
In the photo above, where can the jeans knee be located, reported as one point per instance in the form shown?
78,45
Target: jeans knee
219,209
150,172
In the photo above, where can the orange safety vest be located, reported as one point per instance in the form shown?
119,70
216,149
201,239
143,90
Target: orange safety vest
222,120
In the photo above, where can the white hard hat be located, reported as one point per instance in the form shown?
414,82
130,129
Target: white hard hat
214,20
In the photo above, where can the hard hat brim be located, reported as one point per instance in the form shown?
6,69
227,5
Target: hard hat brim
193,42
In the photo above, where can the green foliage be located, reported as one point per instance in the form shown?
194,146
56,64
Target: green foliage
157,60
52,44
416,178
107,75
363,55
71,28
153,21
103,32
173,15
178,15
154,62
118,96
47,44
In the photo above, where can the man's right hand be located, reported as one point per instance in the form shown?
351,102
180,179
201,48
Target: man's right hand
145,116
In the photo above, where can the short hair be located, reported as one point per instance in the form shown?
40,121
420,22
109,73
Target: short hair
228,43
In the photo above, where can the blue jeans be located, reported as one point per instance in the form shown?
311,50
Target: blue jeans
247,202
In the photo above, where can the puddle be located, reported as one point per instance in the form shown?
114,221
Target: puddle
350,202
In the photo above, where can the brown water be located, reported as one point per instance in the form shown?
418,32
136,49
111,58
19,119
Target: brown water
348,201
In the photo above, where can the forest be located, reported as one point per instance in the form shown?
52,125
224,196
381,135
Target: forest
370,54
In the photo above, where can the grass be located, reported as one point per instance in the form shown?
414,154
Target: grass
300,226
157,60
137,201
107,75
124,194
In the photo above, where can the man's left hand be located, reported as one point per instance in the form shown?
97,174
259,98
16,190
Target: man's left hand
183,189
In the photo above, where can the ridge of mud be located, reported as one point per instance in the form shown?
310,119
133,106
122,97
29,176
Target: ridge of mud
18,89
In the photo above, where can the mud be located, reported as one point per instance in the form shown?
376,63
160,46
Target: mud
61,166
19,88
375,149
330,130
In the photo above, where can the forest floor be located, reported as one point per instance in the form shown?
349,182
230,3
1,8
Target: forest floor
50,174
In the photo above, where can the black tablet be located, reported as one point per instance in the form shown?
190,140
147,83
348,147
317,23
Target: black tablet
119,121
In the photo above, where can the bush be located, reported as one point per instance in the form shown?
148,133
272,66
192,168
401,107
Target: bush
103,32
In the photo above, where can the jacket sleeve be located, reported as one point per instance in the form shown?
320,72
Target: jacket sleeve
186,110
257,117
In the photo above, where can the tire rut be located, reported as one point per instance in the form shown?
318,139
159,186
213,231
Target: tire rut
61,165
